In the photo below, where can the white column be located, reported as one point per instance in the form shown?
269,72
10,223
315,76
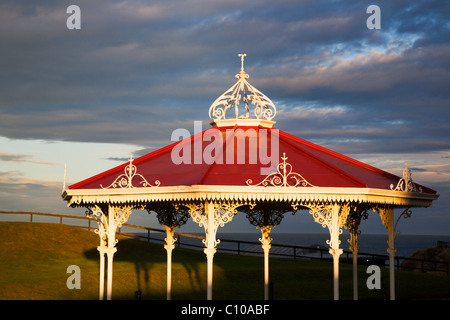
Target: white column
169,246
210,249
387,218
116,217
102,221
110,253
102,251
211,215
332,216
110,250
353,221
354,249
391,251
334,229
266,240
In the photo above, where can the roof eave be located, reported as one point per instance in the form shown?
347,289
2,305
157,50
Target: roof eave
249,193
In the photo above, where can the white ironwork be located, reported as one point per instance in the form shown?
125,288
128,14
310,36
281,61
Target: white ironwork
323,214
333,216
169,246
64,180
170,218
212,206
125,180
353,220
244,92
405,183
284,177
387,218
102,222
107,227
265,241
374,196
210,215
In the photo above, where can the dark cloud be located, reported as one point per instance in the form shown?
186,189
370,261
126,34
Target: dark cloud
117,159
138,70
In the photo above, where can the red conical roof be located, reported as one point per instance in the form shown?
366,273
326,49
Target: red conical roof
217,157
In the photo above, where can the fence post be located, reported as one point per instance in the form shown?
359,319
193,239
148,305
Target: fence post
31,217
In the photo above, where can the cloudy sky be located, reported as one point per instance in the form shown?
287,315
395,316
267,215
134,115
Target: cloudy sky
137,70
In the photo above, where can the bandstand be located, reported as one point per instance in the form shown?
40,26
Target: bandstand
243,165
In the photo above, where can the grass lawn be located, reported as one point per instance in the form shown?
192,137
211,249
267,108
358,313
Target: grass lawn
34,258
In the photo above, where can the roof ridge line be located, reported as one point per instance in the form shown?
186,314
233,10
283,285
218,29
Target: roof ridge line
219,153
324,162
347,158
123,165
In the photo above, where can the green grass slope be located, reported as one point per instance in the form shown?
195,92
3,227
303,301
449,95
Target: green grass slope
34,258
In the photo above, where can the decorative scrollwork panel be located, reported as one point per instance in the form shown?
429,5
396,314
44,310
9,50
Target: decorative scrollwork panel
323,214
125,180
406,184
283,177
223,212
170,216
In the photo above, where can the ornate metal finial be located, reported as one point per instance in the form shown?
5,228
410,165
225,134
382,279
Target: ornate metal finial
125,180
65,172
406,184
242,91
284,177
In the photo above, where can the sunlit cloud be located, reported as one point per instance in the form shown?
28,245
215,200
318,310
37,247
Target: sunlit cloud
12,157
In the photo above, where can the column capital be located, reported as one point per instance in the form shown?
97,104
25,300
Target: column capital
266,239
209,252
170,239
335,252
169,247
102,249
111,250
391,251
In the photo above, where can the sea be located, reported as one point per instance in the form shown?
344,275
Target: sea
405,244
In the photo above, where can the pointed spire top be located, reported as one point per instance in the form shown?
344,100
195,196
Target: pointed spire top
242,74
65,172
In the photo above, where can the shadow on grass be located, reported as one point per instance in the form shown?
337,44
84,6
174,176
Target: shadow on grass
141,267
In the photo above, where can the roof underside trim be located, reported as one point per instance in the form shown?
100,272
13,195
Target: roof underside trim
273,194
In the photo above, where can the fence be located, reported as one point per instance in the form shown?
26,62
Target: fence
254,248
443,244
